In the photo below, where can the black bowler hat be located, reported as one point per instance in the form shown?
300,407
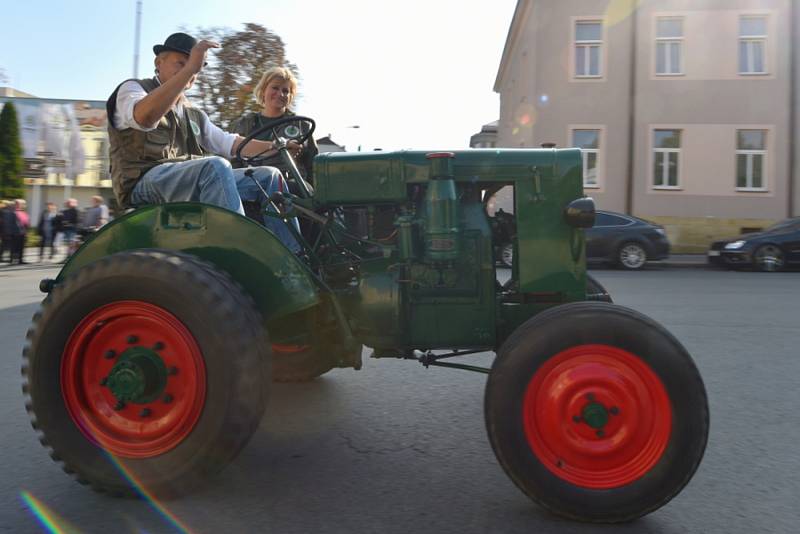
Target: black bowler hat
177,42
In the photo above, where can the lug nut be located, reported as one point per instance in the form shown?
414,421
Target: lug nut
158,346
172,371
600,433
132,339
119,405
167,398
614,410
110,354
576,418
104,381
145,412
590,397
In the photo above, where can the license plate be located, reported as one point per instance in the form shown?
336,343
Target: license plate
713,252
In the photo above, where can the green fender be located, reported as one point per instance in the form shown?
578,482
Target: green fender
279,283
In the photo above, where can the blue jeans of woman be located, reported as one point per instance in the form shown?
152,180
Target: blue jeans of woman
212,180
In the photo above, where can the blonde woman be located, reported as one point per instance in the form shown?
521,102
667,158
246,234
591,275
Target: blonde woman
275,93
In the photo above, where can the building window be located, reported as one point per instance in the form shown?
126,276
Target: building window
752,45
588,48
669,46
751,153
589,143
666,156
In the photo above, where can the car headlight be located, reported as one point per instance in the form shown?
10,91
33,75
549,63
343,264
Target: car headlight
661,231
735,245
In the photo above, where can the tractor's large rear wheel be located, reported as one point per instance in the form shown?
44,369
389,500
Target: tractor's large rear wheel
596,412
145,373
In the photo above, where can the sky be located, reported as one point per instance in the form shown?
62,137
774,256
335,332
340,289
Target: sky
413,74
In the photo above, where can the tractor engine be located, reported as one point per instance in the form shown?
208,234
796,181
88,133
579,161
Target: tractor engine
428,280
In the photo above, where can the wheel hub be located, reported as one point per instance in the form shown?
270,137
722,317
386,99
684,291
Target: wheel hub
595,415
139,376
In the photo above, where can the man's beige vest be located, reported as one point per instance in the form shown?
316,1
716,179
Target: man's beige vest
133,152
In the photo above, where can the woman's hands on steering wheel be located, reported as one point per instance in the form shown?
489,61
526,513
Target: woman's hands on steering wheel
293,144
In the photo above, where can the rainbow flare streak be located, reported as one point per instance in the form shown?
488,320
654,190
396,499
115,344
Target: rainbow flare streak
51,522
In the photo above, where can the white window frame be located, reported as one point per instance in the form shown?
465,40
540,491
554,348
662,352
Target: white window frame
748,154
587,45
665,161
585,154
749,42
669,42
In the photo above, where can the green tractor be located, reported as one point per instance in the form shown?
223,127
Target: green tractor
148,365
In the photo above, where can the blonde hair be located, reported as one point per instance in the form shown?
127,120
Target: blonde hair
276,73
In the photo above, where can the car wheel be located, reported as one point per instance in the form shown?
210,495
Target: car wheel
632,256
507,255
603,423
129,385
768,258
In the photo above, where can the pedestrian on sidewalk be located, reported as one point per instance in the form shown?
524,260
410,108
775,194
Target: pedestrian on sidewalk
7,221
69,224
96,216
47,229
20,231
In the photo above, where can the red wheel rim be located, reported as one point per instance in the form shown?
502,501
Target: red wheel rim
135,430
597,416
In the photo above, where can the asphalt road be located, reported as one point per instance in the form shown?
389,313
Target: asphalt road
398,448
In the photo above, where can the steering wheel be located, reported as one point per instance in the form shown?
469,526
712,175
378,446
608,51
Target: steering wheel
298,133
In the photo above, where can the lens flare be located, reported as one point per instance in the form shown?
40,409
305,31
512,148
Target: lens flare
49,520
619,10
149,498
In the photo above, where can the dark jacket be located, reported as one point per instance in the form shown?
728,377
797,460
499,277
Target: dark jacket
55,224
11,224
69,219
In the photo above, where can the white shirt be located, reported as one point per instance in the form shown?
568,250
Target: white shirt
212,138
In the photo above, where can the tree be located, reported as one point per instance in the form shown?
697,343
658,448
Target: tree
10,154
224,89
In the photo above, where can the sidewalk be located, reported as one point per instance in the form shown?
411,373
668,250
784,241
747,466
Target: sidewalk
31,257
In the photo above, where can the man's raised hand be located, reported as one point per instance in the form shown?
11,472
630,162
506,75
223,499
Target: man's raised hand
197,58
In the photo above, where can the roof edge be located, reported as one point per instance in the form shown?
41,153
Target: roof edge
514,29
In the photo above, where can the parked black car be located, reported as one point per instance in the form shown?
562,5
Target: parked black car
770,250
616,239
624,240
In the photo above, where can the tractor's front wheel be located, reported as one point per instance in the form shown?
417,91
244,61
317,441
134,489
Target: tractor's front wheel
145,373
596,412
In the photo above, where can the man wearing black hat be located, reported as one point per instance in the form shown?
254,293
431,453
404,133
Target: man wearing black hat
160,143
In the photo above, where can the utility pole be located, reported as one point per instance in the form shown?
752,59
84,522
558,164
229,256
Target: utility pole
136,38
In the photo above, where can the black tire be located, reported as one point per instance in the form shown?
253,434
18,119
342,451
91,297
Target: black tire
631,256
527,354
595,290
300,364
220,319
769,258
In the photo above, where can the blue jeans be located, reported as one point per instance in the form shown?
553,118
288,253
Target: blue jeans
212,181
